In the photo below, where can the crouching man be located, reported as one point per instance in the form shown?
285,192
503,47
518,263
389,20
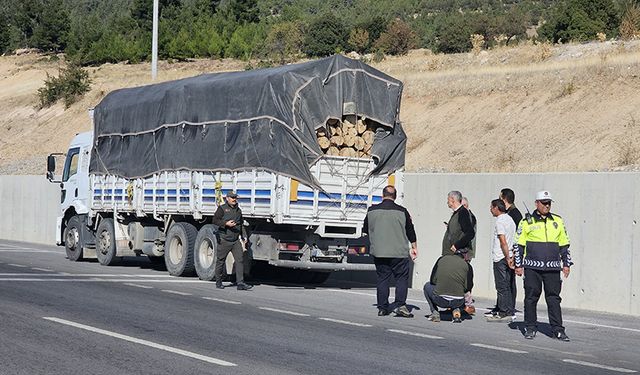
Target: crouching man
451,278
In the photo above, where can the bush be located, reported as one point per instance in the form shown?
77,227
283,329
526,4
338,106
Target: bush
581,20
398,39
325,36
630,23
70,85
284,41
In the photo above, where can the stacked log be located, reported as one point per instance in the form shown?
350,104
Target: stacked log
351,136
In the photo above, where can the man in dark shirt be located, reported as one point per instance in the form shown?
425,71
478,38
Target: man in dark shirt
390,231
450,279
459,233
228,218
508,197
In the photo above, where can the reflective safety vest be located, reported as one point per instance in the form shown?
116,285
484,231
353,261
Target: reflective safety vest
542,244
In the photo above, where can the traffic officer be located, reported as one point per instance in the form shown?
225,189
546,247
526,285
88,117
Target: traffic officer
543,251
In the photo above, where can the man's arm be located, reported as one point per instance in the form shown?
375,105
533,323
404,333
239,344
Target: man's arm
467,229
411,234
469,279
217,217
519,247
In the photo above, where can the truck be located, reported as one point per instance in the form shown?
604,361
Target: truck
149,177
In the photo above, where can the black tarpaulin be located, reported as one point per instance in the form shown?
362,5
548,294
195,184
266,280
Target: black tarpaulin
263,119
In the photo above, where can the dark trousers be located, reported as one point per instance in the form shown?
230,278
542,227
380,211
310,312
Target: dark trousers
436,301
224,248
385,269
533,283
504,277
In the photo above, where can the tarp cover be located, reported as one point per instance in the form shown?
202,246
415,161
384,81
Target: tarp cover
264,119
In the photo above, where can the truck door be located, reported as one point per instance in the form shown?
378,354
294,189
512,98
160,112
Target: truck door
69,188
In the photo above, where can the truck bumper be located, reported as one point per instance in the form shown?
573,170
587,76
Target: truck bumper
319,266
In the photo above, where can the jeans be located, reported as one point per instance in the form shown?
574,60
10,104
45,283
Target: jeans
385,269
504,276
436,301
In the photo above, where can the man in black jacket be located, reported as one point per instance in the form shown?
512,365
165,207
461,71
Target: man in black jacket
459,233
228,218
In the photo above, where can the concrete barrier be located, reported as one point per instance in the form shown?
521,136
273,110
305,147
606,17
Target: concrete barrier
601,210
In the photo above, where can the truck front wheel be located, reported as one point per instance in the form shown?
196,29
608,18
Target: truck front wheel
178,249
205,253
106,243
73,239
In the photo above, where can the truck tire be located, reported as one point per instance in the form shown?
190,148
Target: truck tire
73,239
106,243
178,249
204,257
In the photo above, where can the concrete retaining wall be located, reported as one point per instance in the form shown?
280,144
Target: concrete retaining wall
601,210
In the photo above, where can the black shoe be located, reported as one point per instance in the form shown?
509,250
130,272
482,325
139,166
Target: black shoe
560,335
529,333
403,312
219,285
492,312
383,312
456,316
243,286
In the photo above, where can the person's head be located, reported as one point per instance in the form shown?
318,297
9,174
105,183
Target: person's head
465,202
497,207
508,196
454,199
543,202
232,198
389,192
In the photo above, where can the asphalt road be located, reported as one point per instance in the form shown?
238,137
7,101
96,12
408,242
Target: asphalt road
61,317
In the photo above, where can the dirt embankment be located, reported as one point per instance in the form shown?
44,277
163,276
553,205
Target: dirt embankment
532,108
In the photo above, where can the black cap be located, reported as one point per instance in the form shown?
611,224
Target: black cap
232,194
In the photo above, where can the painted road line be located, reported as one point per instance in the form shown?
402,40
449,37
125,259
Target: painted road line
603,326
499,348
222,300
283,311
138,285
29,251
346,322
16,265
98,280
370,294
597,365
417,334
42,269
141,342
176,292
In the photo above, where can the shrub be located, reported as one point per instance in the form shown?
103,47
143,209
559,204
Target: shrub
398,39
325,36
70,85
284,41
359,40
630,23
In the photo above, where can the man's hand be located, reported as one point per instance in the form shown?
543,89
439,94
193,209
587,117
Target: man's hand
453,248
519,271
413,253
566,271
511,263
230,223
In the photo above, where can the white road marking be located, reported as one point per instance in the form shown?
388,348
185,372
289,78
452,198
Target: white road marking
283,311
499,348
141,342
42,269
346,322
222,300
176,292
29,251
369,294
139,286
603,326
17,265
596,365
93,280
415,334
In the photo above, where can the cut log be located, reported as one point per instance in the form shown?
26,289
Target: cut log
359,143
324,142
348,152
336,130
337,140
321,132
349,140
361,127
333,151
368,137
352,132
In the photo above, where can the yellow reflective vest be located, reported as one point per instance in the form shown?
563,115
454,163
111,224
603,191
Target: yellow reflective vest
542,243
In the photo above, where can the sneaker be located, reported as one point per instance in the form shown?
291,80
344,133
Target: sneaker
560,335
457,317
470,309
529,333
435,317
219,284
383,312
243,286
492,312
403,312
500,317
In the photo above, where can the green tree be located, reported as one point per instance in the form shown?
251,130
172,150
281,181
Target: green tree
5,37
51,27
246,40
398,39
325,35
581,20
284,41
452,33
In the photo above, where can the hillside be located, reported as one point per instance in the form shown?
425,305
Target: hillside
531,108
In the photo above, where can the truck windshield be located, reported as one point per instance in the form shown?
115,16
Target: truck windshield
71,164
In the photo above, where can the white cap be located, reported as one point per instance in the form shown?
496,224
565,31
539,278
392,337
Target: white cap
543,195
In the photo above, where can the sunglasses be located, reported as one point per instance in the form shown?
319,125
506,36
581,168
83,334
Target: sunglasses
545,203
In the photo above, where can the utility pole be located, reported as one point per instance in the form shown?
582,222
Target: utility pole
154,42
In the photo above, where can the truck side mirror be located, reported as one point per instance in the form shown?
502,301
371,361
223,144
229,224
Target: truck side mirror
51,167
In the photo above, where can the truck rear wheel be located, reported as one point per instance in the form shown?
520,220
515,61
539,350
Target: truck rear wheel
106,243
73,239
205,253
178,249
